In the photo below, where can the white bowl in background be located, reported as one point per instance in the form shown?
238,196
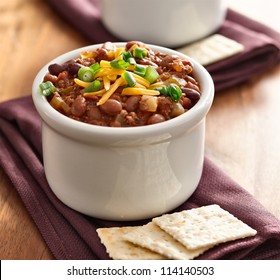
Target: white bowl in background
169,23
126,173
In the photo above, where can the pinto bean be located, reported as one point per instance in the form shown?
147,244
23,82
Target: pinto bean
138,43
111,107
191,80
156,118
51,78
186,102
79,106
132,103
193,86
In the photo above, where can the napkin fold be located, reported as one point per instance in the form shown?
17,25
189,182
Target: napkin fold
261,43
72,235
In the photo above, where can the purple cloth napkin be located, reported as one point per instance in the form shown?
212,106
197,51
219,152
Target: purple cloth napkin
71,235
261,43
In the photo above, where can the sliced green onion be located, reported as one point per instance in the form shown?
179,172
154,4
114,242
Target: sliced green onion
162,90
140,70
126,55
131,61
151,74
85,74
119,64
174,92
140,52
94,86
127,76
95,68
47,88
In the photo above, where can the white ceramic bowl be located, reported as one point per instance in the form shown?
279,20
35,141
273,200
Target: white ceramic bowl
169,23
126,173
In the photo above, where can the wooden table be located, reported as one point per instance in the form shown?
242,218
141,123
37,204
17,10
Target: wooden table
243,126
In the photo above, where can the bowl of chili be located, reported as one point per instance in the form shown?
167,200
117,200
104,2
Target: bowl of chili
117,172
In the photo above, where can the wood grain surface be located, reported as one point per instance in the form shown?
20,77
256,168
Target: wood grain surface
243,126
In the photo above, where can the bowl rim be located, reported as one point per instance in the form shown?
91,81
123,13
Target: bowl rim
68,126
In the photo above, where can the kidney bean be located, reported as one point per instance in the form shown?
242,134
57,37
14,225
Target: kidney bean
79,106
111,107
191,93
55,69
72,67
132,103
156,118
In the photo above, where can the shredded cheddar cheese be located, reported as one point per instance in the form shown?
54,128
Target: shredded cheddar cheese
106,82
139,86
95,93
88,54
112,89
111,55
81,83
105,63
155,85
141,80
139,91
118,53
106,71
